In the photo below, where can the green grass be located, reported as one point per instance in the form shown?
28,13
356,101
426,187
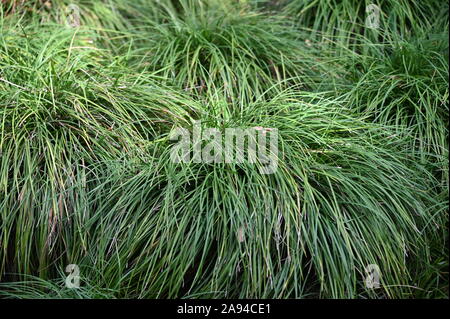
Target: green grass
209,46
86,177
344,21
406,84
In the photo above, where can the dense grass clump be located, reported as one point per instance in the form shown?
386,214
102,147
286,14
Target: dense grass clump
198,231
71,13
344,21
53,125
63,117
88,111
406,84
208,45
